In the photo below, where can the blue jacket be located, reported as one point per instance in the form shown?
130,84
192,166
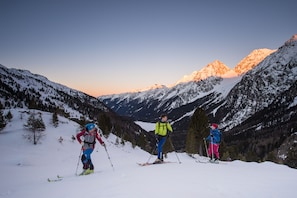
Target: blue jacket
216,139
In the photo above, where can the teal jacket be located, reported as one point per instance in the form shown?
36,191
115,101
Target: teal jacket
216,136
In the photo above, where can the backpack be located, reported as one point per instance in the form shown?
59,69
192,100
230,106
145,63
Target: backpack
219,137
90,138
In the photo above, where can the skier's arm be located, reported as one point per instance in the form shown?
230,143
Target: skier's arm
157,128
79,135
98,137
169,127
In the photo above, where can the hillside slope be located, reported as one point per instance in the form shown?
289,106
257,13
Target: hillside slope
22,89
25,168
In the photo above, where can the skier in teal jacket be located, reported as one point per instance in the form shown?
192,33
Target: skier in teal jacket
214,139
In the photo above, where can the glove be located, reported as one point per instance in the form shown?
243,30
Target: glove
157,138
168,134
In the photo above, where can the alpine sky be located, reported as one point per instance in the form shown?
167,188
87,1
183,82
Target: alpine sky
105,47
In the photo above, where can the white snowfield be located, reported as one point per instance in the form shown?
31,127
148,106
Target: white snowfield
25,168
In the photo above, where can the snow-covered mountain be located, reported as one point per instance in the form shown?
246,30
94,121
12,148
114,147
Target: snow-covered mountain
22,89
219,69
216,68
252,60
148,105
261,85
260,112
211,84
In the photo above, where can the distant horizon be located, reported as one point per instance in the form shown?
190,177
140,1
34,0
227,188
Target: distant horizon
111,47
144,88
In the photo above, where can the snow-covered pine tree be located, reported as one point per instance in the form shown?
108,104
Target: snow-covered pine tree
2,120
55,119
35,125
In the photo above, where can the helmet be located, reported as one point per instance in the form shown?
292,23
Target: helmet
90,126
214,125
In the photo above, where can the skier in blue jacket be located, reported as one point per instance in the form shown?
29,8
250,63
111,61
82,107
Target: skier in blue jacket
214,139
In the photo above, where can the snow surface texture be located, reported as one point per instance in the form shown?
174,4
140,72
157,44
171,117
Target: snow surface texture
24,169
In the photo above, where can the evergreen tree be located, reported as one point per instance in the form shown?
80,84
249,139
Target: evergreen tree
35,125
105,124
82,122
198,129
32,104
117,142
55,119
2,119
142,142
122,141
9,116
291,159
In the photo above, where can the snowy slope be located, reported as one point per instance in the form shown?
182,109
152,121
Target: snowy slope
22,89
18,85
24,169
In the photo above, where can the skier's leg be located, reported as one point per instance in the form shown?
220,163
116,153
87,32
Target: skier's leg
216,151
84,161
160,147
91,165
87,161
212,151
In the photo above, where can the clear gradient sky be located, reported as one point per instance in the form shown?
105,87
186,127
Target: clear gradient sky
108,46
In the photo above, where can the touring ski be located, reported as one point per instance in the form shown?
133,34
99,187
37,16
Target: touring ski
58,178
210,161
152,163
207,161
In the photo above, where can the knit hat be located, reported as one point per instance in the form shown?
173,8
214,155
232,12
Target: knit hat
214,125
90,126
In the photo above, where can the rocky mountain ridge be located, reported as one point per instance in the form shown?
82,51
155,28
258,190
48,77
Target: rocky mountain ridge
22,89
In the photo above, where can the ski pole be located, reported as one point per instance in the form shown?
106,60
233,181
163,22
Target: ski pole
79,157
108,157
152,153
211,138
206,147
170,141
